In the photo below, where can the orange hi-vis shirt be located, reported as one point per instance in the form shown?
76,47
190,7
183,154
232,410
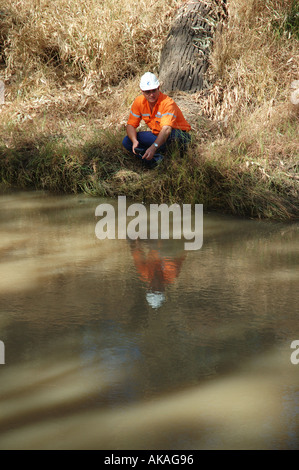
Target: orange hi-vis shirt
165,113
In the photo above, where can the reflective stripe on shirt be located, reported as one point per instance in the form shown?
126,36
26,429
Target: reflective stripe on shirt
136,115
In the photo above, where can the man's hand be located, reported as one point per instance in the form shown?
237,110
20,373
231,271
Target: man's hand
150,152
132,134
160,140
135,146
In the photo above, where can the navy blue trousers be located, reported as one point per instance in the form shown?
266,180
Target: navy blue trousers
147,138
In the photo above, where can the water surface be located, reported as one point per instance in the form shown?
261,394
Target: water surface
120,344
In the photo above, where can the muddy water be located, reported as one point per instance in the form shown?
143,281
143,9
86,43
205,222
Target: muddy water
120,344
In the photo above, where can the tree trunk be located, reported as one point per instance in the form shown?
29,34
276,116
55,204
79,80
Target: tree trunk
184,57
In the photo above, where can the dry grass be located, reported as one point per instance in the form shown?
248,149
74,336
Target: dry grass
250,65
100,41
254,62
64,59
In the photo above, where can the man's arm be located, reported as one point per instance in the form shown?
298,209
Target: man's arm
160,140
132,134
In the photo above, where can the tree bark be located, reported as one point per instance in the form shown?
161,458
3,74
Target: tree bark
185,55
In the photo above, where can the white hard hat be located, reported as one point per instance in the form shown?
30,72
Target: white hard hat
149,81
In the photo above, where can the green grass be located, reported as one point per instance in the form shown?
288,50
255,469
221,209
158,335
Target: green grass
289,22
101,167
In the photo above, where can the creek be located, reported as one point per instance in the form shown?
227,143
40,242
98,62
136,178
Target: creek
140,344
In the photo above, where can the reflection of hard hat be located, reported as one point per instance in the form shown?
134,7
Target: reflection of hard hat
155,299
149,81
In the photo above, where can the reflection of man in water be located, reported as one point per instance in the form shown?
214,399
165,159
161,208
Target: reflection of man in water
156,269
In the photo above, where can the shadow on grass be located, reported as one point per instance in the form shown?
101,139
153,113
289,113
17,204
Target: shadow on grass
101,167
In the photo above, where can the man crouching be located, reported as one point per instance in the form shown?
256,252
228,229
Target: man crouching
164,118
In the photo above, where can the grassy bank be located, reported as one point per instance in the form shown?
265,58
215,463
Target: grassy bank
71,71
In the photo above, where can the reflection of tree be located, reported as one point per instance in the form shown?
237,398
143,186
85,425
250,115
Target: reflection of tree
156,269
